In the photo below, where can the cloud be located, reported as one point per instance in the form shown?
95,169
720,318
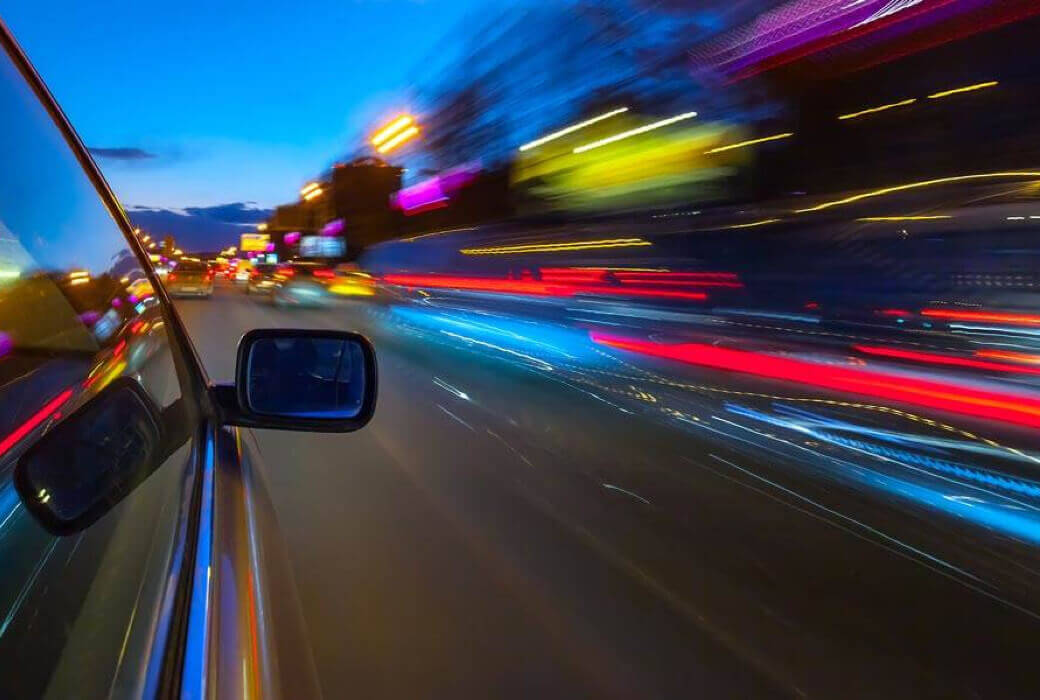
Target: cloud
233,213
123,153
200,229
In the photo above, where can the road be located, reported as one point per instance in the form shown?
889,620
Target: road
532,515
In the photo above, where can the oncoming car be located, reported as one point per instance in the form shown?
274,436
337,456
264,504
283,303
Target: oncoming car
142,557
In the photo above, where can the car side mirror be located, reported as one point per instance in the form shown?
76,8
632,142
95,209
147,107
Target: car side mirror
90,461
314,380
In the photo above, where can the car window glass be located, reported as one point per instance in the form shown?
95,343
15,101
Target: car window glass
77,313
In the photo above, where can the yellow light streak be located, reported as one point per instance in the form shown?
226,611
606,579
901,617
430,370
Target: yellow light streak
310,187
916,185
557,247
881,108
966,88
399,139
313,194
388,131
752,142
752,224
904,218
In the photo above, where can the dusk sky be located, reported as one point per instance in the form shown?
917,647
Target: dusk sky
204,103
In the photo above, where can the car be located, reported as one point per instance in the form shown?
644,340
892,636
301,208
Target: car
350,281
301,283
242,273
190,278
261,279
142,557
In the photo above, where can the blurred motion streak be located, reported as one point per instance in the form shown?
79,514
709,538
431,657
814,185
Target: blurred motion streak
391,129
873,110
936,359
1009,355
751,142
556,288
557,247
966,88
571,129
34,421
990,316
880,219
945,396
635,132
396,141
753,224
917,185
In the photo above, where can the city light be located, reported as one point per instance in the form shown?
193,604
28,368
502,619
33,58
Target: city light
78,274
882,108
396,141
635,132
752,142
313,194
261,227
915,185
571,129
557,247
386,132
966,88
310,187
932,217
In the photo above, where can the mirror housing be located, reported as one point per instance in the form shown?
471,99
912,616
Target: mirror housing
294,379
89,462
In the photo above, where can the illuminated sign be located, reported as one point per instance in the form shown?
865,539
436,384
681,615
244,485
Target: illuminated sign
255,242
321,247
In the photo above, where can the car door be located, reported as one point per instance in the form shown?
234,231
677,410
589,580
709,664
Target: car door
84,612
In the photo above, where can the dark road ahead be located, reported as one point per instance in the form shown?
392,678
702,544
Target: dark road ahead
489,533
425,564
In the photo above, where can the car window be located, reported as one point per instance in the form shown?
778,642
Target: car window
191,266
77,315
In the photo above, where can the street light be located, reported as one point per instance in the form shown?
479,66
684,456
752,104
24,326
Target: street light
313,194
261,227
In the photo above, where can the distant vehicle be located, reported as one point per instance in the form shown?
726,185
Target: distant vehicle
301,284
261,279
242,272
348,280
190,278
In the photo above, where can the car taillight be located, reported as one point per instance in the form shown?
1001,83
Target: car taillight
326,274
171,277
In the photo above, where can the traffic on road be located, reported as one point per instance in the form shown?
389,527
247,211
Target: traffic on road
707,364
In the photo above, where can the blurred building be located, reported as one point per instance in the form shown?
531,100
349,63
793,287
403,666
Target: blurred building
352,210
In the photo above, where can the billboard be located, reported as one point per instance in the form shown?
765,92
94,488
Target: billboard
254,242
321,247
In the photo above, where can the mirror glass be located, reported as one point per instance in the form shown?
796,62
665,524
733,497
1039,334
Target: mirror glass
306,377
78,470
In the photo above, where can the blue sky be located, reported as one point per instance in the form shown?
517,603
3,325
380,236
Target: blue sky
233,100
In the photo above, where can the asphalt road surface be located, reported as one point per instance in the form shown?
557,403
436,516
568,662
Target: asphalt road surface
510,526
